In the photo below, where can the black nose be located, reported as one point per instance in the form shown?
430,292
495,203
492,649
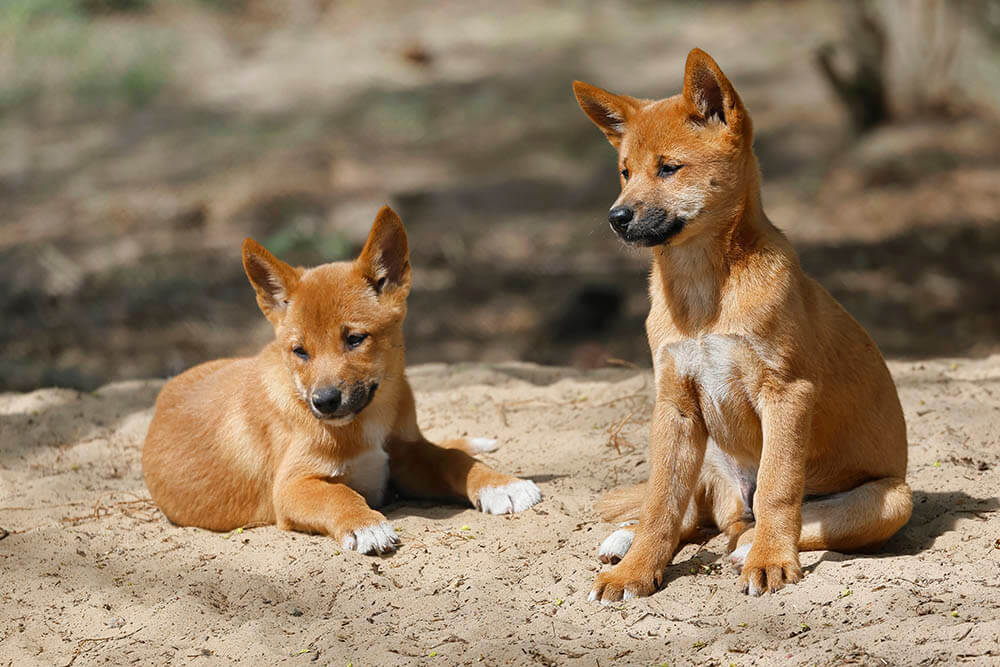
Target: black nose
619,217
326,400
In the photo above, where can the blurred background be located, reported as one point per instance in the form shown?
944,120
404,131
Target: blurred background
142,140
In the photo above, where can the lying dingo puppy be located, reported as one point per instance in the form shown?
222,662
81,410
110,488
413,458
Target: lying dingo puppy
309,433
767,391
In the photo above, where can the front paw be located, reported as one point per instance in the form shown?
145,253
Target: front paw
767,570
624,582
377,537
516,496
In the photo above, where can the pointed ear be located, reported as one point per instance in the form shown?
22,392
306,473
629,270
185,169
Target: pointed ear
711,94
385,259
273,280
609,112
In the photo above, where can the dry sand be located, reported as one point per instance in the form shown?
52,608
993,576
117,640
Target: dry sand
91,573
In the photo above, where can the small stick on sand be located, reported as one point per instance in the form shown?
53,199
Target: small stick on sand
79,646
614,435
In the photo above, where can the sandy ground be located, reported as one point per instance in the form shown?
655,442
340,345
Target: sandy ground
92,574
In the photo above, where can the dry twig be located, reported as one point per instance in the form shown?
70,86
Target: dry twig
79,646
615,439
142,509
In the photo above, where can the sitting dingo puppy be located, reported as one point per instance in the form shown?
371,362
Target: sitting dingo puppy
309,433
776,418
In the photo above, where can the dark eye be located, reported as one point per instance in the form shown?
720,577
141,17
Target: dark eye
667,169
300,352
353,340
625,173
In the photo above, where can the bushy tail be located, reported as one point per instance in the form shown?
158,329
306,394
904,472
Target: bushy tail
621,504
472,446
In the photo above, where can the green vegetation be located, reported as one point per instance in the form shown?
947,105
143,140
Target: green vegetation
308,244
54,51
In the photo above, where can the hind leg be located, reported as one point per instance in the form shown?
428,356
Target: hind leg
717,502
616,545
860,519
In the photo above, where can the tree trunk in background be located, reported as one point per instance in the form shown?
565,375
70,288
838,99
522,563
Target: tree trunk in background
861,84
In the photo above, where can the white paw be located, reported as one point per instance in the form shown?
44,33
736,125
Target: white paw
482,445
509,498
379,538
593,598
615,546
738,557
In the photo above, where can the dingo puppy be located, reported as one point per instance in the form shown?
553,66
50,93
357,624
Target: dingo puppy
309,433
776,418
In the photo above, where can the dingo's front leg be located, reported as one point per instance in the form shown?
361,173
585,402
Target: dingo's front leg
677,449
318,505
786,420
422,469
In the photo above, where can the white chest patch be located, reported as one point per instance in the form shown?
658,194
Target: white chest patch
368,472
375,433
709,361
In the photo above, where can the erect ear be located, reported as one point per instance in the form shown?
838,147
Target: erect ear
273,280
609,112
710,92
385,259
